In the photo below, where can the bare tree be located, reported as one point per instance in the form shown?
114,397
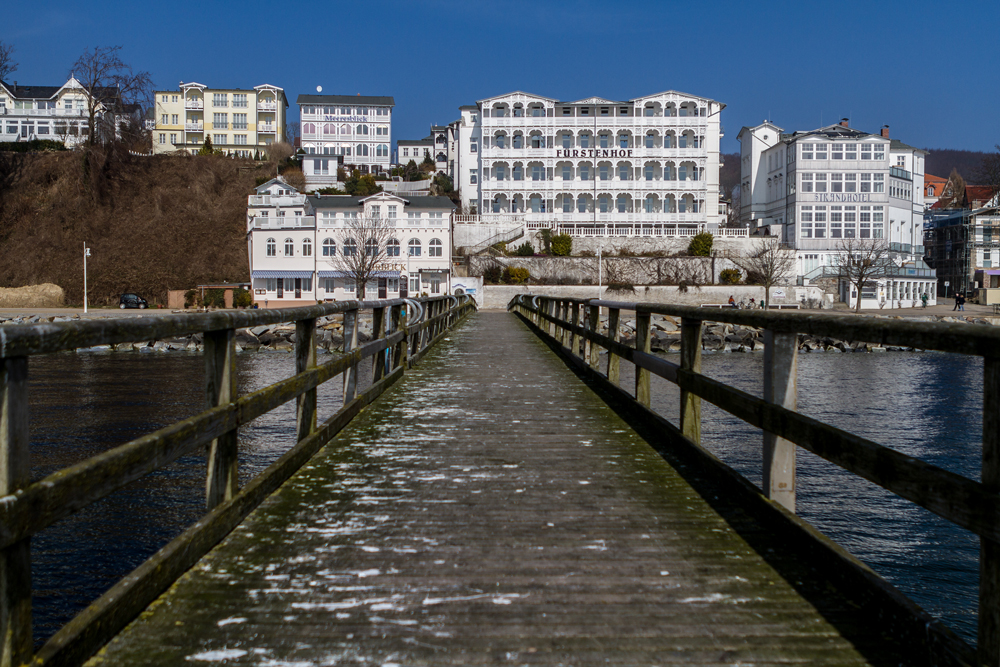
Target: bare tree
862,261
7,64
988,173
113,88
362,253
766,263
954,191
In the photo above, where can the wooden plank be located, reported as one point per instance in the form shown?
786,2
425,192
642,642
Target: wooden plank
399,326
305,359
642,344
15,471
222,479
593,350
378,331
350,342
989,547
780,377
691,361
953,497
574,339
614,334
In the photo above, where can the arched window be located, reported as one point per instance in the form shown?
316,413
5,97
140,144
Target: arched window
536,141
392,248
364,129
622,203
308,128
329,128
329,248
371,248
436,249
289,247
272,248
350,248
345,129
649,140
622,141
501,141
357,130
518,141
413,247
518,172
307,248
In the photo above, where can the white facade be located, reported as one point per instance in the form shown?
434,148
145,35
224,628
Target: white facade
57,113
294,241
356,129
648,166
819,189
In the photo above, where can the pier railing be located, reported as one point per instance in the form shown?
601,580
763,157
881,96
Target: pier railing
572,327
402,331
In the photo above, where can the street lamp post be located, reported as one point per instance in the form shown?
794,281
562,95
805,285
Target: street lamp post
86,254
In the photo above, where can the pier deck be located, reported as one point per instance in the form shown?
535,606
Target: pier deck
491,508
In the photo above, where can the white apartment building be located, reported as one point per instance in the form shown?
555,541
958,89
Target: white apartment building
436,145
648,166
238,122
357,129
294,241
58,113
817,189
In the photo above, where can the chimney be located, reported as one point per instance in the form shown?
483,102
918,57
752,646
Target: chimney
885,131
844,122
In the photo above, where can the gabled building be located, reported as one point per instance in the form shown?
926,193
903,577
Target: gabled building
238,121
295,240
354,130
59,113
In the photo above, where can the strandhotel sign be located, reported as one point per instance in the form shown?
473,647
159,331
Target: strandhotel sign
836,197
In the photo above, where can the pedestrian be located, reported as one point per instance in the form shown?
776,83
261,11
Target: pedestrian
961,302
923,299
732,301
265,302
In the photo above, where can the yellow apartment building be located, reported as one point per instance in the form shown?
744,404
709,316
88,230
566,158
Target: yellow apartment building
238,121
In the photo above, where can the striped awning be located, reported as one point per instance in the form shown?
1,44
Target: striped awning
350,274
270,273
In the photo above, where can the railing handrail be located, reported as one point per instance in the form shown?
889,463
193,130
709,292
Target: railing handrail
969,504
29,506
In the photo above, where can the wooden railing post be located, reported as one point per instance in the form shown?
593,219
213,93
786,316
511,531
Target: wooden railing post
305,358
552,310
399,357
989,551
378,333
15,469
614,361
564,318
691,361
593,349
574,337
222,482
350,342
780,373
642,344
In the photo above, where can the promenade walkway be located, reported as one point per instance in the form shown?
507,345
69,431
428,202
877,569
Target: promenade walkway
491,509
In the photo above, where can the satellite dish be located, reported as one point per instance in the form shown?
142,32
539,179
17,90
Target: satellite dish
319,89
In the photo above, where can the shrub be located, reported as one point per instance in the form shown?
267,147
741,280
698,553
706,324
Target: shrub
701,245
242,298
587,253
562,245
546,236
190,298
729,276
515,275
215,298
525,250
492,274
33,146
500,247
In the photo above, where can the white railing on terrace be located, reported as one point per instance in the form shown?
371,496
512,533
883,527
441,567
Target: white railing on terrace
638,152
194,127
64,113
732,232
285,222
266,127
620,230
584,122
267,106
559,184
490,218
277,200
194,104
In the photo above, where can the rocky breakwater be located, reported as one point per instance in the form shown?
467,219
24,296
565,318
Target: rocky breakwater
720,337
272,337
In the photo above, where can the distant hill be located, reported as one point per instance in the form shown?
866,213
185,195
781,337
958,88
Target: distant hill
940,162
153,223
729,174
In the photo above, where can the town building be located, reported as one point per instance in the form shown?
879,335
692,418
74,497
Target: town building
934,188
414,149
963,244
238,121
355,130
296,245
822,190
58,113
648,166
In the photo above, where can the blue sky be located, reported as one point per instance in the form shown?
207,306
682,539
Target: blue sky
930,70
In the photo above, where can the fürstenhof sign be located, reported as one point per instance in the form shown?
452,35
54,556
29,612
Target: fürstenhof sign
594,152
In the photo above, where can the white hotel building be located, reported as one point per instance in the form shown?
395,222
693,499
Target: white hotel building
816,190
294,241
353,130
648,166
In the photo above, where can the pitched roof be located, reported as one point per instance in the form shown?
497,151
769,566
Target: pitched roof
381,101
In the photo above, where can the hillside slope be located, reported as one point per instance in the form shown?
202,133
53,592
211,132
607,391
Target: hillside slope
153,223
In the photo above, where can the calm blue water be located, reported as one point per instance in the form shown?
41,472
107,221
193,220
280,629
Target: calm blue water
924,404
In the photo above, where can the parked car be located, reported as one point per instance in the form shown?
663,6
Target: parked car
132,301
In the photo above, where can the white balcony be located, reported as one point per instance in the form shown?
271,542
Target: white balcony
194,104
58,113
266,128
194,127
284,222
220,126
267,106
286,201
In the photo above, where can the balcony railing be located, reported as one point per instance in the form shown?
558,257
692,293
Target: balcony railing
220,126
277,200
266,128
194,104
194,127
63,113
267,106
899,172
284,222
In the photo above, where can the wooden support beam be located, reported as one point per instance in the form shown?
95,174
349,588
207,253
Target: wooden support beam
614,361
691,361
989,550
574,339
378,331
399,355
780,373
593,349
222,480
642,344
305,359
15,468
350,342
